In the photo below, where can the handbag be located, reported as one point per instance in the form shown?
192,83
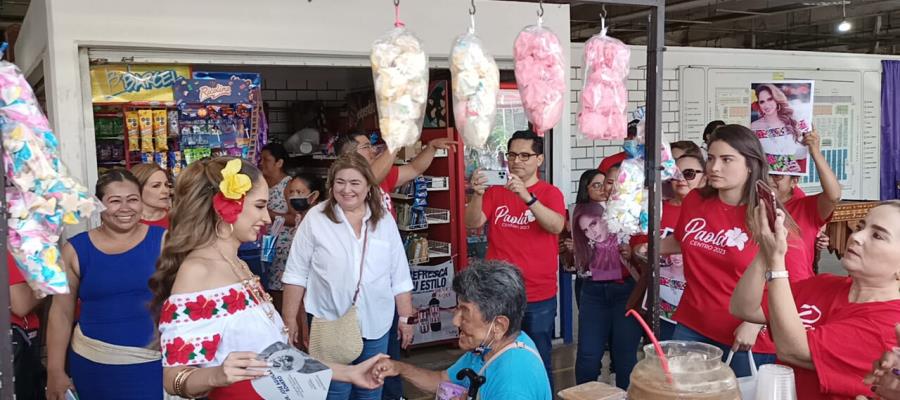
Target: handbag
747,384
340,341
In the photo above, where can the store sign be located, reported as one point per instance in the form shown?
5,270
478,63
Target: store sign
213,91
434,301
121,83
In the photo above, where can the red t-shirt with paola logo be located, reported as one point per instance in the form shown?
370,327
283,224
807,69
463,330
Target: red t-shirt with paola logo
716,248
844,338
515,236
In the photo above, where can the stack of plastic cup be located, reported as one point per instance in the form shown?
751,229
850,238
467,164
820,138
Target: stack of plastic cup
776,382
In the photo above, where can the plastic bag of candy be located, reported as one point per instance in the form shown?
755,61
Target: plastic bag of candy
43,196
400,71
476,83
604,96
540,76
627,210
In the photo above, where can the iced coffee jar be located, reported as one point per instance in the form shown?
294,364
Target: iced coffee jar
697,373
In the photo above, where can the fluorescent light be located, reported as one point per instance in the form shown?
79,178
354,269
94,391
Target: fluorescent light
844,26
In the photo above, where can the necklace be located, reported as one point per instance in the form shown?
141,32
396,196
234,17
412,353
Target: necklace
252,286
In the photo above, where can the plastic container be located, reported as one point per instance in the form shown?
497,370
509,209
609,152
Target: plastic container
697,371
776,382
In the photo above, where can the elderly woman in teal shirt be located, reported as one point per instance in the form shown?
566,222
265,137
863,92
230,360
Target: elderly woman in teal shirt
491,305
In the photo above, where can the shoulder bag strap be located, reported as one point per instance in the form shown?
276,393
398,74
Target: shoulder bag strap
513,345
362,261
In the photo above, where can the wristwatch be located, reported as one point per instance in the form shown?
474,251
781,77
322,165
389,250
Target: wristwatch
533,200
772,275
409,320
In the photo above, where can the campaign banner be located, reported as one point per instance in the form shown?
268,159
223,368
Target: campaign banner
781,115
213,91
294,375
434,301
122,83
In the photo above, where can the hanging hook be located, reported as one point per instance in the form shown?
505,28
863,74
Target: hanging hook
541,9
472,10
396,3
603,18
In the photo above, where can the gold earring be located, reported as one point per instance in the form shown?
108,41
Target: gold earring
230,233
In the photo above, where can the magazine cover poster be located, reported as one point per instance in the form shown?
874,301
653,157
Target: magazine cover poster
781,115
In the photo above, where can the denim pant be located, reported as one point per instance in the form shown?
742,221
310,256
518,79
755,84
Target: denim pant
740,363
345,391
393,386
602,319
539,324
666,330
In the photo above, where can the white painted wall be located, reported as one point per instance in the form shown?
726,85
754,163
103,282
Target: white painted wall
321,27
587,154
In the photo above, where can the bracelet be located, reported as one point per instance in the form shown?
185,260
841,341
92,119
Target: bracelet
180,384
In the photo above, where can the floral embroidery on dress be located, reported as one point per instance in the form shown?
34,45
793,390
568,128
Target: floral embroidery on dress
202,307
192,351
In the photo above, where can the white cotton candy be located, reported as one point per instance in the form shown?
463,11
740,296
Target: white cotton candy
476,84
400,72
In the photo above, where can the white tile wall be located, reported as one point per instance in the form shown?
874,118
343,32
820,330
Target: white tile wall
586,154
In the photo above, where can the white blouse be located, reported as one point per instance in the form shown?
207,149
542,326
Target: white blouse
325,258
202,328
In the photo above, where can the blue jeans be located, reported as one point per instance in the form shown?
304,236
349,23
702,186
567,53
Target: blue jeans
393,386
539,324
740,363
345,391
666,330
602,319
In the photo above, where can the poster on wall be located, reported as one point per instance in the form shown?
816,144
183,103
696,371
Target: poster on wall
434,301
781,114
122,83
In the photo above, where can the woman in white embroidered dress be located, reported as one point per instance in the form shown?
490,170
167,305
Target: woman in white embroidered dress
213,314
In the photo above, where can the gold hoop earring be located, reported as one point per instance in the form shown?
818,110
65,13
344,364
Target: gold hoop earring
230,233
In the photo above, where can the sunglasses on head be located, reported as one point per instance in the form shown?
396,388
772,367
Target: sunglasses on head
690,174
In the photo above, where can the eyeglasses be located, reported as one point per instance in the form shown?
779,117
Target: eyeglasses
511,156
690,174
596,185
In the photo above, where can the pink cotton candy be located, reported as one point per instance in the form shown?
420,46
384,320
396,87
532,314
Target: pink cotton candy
604,96
540,76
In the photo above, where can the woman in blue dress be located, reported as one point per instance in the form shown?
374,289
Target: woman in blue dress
107,345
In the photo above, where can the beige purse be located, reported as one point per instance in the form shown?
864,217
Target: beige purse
340,341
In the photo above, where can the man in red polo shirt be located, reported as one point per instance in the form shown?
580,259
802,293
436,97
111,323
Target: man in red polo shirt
29,372
524,218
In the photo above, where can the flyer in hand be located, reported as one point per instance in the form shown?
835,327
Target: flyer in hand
294,375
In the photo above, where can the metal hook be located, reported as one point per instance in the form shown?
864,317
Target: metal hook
396,3
541,9
603,17
603,8
472,10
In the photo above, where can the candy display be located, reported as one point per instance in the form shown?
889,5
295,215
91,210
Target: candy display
400,72
476,83
604,96
43,197
540,75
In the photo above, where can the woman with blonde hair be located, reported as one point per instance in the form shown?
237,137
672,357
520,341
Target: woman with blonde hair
156,193
214,317
347,253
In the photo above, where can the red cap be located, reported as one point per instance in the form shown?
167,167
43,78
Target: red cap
611,161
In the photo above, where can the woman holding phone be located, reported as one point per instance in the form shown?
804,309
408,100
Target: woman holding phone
712,236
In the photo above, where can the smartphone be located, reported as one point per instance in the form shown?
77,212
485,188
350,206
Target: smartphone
767,199
496,177
71,395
